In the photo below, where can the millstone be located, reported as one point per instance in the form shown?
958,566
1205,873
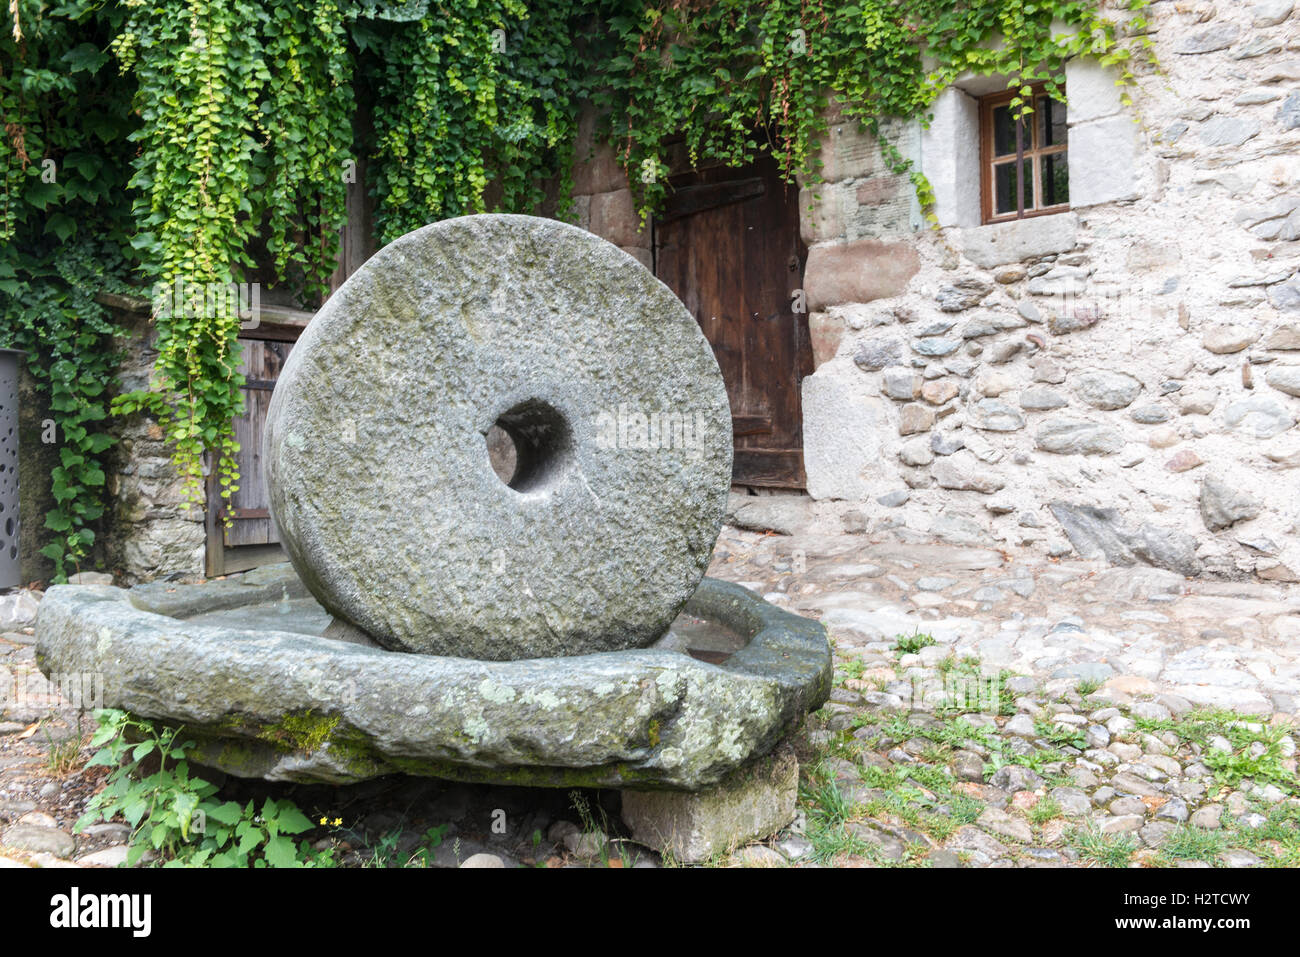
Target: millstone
377,445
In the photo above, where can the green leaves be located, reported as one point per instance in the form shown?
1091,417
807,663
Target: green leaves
178,816
674,74
85,56
454,112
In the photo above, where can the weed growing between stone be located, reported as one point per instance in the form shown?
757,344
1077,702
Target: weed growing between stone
1109,850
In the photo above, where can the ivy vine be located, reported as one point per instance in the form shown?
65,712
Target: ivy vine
736,77
475,106
63,239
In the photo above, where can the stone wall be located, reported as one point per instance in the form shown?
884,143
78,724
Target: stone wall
1121,379
603,203
150,530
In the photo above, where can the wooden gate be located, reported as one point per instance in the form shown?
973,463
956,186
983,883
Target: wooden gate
727,243
251,538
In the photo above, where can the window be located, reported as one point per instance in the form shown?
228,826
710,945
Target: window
1023,165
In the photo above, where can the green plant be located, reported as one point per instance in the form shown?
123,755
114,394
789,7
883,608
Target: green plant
430,841
600,829
853,668
384,852
741,77
1059,734
1254,752
178,816
827,814
64,237
61,755
911,644
1045,810
1109,850
245,121
1276,840
1190,843
1087,686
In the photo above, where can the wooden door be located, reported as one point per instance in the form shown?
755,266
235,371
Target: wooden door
727,243
250,538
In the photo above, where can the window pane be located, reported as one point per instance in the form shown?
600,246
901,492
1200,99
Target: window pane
1004,187
1051,122
1004,132
1056,179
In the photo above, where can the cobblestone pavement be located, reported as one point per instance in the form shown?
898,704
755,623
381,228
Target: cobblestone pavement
998,710
1140,630
990,709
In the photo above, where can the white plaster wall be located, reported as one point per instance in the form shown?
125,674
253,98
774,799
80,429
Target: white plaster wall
950,158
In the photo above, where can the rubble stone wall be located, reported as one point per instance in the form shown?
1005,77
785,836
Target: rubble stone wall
151,530
1119,380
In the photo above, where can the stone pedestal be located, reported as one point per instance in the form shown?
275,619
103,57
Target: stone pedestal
752,803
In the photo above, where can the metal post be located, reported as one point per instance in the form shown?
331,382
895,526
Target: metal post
11,572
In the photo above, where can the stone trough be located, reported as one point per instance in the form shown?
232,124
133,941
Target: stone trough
285,705
545,624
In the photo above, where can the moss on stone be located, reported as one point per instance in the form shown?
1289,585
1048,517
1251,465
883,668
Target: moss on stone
303,731
296,731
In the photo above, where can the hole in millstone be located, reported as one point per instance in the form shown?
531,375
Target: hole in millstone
529,446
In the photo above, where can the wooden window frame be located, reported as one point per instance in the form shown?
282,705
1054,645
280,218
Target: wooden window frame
1027,207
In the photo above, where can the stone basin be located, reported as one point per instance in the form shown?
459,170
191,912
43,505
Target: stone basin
237,663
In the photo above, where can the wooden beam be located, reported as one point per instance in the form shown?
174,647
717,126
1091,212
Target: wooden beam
769,468
751,425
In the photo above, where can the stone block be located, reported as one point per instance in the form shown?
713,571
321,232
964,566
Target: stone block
847,150
1271,12
825,210
579,720
826,332
1103,161
860,271
1214,38
914,418
614,217
1229,131
843,428
1000,243
950,153
1090,90
641,254
751,804
595,166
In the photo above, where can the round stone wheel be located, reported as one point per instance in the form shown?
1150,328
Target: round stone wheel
594,520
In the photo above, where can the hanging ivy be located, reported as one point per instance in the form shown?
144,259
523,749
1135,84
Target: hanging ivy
204,142
245,124
735,77
481,93
63,238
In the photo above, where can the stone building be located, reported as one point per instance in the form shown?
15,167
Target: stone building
1110,370
1101,359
